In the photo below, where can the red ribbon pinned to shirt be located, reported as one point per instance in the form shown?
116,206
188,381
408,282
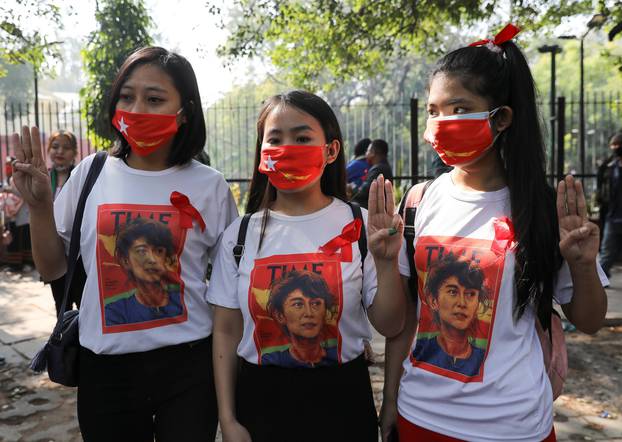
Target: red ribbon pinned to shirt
506,34
187,211
343,241
504,235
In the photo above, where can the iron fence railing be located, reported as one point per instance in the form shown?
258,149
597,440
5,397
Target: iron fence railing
53,115
231,132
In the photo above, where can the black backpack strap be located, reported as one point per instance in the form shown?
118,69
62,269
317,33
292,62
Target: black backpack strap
74,245
408,215
238,250
400,210
358,214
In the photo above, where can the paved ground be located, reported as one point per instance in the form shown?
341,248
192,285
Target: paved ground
34,409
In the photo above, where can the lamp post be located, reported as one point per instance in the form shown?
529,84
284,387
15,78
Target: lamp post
596,21
553,50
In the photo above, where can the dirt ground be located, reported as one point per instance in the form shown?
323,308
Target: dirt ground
35,410
594,384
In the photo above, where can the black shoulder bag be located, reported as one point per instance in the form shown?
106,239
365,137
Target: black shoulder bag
60,353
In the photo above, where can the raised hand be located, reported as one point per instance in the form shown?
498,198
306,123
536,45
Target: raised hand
30,173
385,227
579,238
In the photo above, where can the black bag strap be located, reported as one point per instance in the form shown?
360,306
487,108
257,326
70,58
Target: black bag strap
408,215
74,244
357,213
238,250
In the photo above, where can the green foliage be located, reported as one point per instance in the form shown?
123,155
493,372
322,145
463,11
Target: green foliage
16,86
123,26
20,45
599,71
324,43
345,40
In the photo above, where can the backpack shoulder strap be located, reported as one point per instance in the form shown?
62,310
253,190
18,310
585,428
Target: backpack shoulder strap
238,250
358,214
74,244
408,211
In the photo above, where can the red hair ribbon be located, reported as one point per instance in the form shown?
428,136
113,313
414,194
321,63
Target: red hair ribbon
504,235
187,211
343,241
506,34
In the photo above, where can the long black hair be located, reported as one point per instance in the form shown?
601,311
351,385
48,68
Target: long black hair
333,181
190,138
504,79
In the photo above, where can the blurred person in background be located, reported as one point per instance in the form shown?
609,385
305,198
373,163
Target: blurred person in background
609,199
356,170
62,151
18,254
376,156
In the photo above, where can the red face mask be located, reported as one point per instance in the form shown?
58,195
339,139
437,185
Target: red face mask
460,139
145,133
292,167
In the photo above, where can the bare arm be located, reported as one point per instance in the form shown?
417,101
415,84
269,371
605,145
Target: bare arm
396,350
588,306
385,230
227,334
33,182
579,240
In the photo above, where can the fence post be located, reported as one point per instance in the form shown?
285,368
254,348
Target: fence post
414,140
561,130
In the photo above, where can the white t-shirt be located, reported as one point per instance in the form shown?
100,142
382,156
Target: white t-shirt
145,285
291,293
493,385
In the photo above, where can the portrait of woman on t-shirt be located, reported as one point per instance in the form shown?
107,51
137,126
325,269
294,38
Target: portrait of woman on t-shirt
455,292
145,250
300,303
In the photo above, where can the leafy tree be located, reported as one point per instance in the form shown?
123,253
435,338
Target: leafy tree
19,45
123,26
327,42
16,85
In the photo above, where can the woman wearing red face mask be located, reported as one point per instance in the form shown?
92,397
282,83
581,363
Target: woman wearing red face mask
526,245
293,287
149,374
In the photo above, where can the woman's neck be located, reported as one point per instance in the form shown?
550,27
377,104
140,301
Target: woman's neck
301,203
484,175
151,294
61,177
155,161
306,350
454,342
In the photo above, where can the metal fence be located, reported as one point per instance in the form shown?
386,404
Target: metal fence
53,115
231,132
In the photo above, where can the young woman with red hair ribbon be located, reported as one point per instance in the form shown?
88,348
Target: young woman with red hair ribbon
494,247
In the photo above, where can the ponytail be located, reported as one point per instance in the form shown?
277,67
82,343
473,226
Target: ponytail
504,79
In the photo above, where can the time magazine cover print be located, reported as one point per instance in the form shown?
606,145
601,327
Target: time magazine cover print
138,251
296,302
459,281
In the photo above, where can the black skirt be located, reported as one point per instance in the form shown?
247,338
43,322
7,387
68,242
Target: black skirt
322,404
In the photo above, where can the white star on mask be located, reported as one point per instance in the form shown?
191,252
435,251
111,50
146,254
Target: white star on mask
270,163
122,126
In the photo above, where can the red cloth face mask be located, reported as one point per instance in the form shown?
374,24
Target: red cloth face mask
292,167
145,133
460,139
